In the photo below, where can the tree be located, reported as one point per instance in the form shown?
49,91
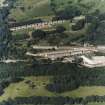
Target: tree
60,29
38,34
69,12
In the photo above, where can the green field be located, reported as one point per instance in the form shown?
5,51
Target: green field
86,91
101,103
30,9
23,89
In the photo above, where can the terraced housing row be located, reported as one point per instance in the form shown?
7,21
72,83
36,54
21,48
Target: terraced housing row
40,25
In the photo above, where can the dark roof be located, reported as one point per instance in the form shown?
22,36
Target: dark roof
16,24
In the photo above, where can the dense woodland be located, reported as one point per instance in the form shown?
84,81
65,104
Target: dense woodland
54,100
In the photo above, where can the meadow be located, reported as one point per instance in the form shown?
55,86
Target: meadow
35,86
100,103
30,9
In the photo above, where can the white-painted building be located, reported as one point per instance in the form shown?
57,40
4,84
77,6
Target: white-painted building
2,3
95,61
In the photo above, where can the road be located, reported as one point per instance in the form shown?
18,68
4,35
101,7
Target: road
101,49
44,47
12,61
66,52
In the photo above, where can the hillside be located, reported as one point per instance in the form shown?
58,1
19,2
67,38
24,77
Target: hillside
29,9
41,47
93,4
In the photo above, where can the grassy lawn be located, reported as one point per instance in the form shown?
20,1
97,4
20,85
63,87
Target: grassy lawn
20,33
23,89
86,91
29,9
100,103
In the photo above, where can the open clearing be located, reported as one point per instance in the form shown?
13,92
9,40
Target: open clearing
86,91
23,89
30,9
35,86
100,103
